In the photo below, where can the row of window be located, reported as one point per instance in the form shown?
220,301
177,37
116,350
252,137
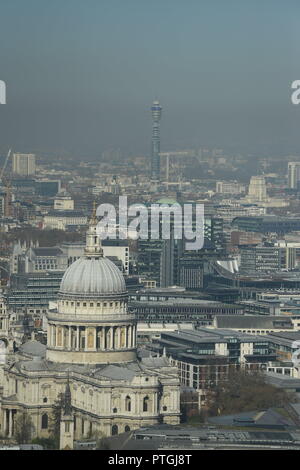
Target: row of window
256,331
45,424
44,266
94,304
45,418
38,311
128,404
280,370
190,310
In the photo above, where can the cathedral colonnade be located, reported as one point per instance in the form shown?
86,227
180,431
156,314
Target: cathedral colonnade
8,422
91,338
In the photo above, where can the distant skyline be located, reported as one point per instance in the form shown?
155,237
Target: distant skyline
81,76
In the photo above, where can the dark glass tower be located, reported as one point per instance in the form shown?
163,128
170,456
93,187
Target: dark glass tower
155,151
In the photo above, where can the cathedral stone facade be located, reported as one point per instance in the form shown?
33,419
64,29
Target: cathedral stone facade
91,346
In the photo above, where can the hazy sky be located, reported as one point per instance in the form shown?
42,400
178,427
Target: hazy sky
81,75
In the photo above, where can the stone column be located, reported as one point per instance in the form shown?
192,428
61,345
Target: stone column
126,337
77,338
138,404
53,335
111,337
86,427
70,337
49,334
103,339
155,402
119,338
5,421
130,336
10,423
85,338
106,329
95,338
13,421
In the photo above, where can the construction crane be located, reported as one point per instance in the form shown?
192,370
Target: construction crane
7,188
5,164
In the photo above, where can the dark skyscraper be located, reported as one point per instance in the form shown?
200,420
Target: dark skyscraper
155,151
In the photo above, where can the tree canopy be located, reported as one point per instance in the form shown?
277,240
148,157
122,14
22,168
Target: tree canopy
23,428
245,391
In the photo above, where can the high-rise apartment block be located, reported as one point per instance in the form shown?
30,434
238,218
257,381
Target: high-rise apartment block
257,189
23,164
229,187
293,175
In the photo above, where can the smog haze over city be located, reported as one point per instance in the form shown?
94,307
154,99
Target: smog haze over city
80,75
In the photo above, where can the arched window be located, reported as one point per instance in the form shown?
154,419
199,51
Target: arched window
45,421
114,430
127,428
45,399
128,403
145,404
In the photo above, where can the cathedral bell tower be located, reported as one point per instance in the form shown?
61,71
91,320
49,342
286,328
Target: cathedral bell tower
67,422
93,242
